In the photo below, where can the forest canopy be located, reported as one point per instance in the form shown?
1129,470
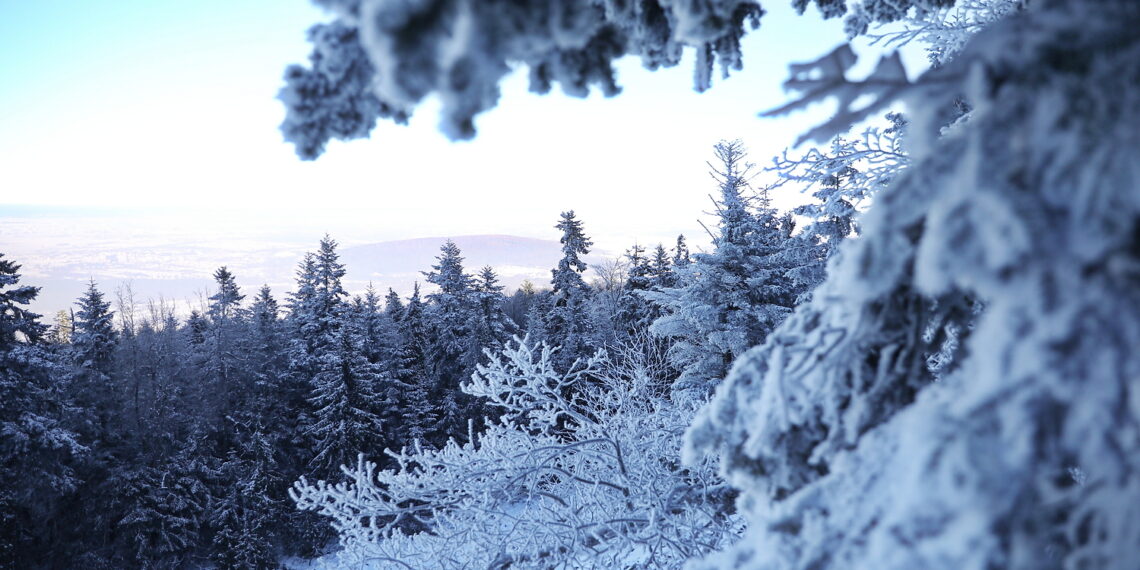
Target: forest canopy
930,364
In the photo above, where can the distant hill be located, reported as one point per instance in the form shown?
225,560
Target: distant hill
180,272
398,264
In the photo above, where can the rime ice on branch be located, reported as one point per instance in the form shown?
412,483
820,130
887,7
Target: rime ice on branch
381,58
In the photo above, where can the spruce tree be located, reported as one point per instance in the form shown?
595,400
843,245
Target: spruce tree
661,269
329,355
730,299
345,405
681,256
566,324
36,451
225,352
451,356
419,413
490,325
92,354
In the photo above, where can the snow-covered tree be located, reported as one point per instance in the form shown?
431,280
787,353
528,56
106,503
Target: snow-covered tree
328,354
451,356
565,323
92,354
419,419
681,255
848,451
588,484
224,352
661,267
380,59
729,300
37,451
226,301
345,404
844,177
490,325
367,316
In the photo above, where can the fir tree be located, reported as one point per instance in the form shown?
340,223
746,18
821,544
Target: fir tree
225,303
565,324
419,414
36,451
681,255
661,269
226,372
345,403
393,307
94,337
452,355
728,300
92,354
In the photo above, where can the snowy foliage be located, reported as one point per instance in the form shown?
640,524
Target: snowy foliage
843,177
381,58
946,31
565,323
847,452
37,451
590,483
727,301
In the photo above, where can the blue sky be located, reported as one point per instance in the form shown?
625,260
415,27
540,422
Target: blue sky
129,104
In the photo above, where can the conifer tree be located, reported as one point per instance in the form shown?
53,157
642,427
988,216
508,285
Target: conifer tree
393,307
730,299
36,450
92,354
452,355
565,324
345,403
681,256
94,336
275,451
368,318
661,269
224,351
328,354
490,326
420,415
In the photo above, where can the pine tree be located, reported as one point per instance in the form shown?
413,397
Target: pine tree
345,405
661,269
565,324
681,256
452,355
92,354
490,326
419,414
36,450
730,299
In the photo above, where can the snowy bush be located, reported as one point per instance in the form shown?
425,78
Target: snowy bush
594,482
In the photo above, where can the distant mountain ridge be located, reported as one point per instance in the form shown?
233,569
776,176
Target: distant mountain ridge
181,272
400,263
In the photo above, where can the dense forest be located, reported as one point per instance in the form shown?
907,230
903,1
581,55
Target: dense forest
931,364
144,439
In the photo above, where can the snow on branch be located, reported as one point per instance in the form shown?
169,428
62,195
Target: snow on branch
826,77
590,482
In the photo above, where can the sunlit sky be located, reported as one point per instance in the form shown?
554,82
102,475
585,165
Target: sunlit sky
170,106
